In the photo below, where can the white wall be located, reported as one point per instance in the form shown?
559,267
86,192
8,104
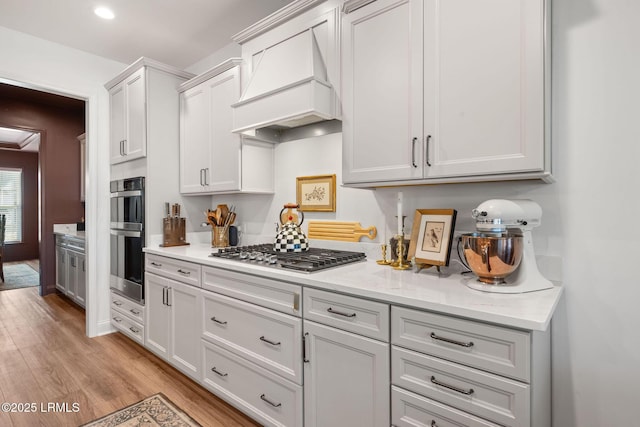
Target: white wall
43,65
589,218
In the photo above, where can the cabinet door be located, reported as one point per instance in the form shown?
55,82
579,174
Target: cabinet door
382,91
81,280
136,136
156,315
61,269
224,90
185,306
194,139
346,379
118,122
484,86
72,274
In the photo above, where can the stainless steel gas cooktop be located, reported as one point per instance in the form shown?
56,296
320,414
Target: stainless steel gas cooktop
314,259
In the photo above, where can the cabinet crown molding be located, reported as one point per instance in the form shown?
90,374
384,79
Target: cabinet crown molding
276,18
211,72
351,5
147,62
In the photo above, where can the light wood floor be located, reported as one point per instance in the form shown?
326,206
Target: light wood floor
46,357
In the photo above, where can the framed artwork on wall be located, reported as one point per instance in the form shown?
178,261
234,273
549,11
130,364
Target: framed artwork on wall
316,193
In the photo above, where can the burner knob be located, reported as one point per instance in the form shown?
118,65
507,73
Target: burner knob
259,256
272,259
244,254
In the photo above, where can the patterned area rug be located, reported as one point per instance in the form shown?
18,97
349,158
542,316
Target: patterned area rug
154,411
19,276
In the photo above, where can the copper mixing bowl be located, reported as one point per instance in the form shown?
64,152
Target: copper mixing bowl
492,256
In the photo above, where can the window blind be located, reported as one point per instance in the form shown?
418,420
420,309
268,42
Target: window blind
11,203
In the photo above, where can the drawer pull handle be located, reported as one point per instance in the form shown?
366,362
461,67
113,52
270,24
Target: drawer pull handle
218,372
134,330
275,405
155,264
219,322
450,341
450,387
262,338
134,311
339,313
117,319
118,303
186,273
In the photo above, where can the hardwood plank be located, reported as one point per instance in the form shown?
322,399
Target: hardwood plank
46,357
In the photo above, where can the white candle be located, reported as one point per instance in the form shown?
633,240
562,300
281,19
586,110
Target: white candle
399,213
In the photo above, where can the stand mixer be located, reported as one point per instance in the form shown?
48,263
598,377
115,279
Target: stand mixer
505,219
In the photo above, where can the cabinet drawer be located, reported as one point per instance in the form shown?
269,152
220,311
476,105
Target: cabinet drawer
268,398
495,398
270,339
132,329
182,271
411,410
491,348
127,307
281,296
356,315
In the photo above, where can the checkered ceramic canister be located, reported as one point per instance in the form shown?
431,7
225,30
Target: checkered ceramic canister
290,238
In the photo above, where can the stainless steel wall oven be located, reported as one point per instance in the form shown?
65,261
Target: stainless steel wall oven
127,238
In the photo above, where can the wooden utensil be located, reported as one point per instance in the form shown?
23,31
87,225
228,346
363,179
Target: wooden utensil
224,213
344,231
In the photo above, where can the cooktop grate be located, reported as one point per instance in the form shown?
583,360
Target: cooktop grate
314,259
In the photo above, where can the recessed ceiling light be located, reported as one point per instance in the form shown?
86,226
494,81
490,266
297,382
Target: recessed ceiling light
104,12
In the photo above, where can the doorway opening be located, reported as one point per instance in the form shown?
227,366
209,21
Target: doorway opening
52,193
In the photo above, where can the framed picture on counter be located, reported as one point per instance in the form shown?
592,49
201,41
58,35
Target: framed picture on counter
431,236
316,193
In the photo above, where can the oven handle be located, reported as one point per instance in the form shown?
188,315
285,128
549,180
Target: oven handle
129,193
126,233
126,226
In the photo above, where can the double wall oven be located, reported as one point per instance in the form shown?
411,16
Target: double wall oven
127,238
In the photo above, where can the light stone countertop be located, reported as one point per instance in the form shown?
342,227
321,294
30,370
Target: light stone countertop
423,290
68,230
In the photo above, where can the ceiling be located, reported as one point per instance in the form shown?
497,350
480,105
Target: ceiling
19,139
178,33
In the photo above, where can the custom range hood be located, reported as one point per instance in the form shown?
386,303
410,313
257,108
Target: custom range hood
288,90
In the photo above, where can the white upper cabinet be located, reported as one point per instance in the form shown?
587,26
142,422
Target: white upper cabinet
139,95
444,91
212,158
382,92
128,133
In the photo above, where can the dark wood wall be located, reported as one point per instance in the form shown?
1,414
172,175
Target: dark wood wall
28,162
60,120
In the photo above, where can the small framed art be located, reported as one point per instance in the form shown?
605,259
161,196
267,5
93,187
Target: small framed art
431,236
316,193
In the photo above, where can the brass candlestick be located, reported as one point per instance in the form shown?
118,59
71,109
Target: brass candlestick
384,260
400,263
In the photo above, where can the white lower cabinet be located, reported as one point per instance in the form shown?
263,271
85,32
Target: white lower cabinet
252,345
128,317
261,394
173,322
448,371
329,359
346,378
71,268
346,373
263,336
411,410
